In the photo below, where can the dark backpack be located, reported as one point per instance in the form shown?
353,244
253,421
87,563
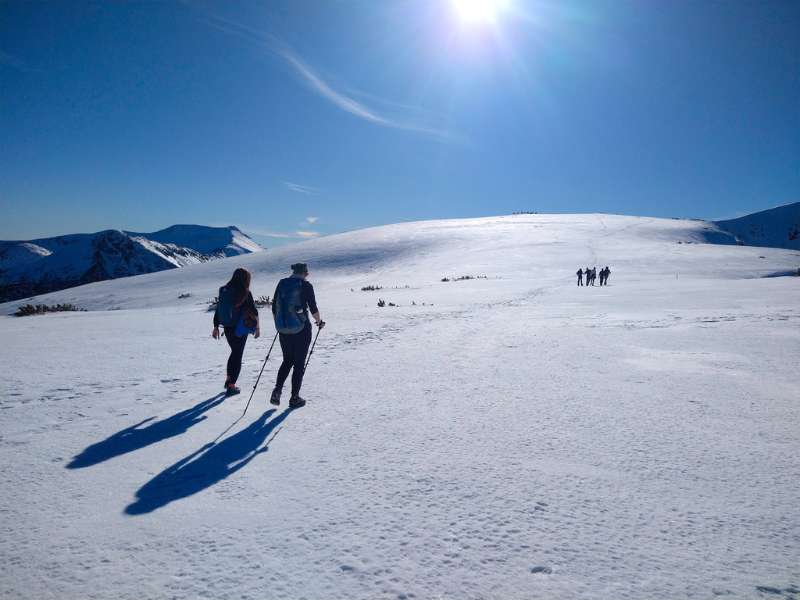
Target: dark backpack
290,316
226,308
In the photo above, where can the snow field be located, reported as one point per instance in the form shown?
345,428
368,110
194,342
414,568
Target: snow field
521,438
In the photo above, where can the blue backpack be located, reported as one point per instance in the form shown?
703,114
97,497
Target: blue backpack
290,316
226,311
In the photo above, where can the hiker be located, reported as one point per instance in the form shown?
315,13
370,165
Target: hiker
605,278
579,273
237,313
291,303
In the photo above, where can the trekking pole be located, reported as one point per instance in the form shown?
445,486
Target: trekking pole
259,375
312,348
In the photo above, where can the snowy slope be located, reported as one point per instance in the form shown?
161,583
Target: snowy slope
402,254
211,241
44,265
777,227
502,438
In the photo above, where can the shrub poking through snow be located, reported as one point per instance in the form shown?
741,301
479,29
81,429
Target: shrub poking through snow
381,303
260,302
371,288
184,296
464,278
27,310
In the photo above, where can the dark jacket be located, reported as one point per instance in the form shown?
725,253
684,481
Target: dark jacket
248,308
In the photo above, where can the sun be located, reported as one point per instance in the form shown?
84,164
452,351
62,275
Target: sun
479,11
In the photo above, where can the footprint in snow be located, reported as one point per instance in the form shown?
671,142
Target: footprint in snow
540,569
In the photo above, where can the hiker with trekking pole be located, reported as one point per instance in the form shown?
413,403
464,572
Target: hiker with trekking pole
237,313
292,302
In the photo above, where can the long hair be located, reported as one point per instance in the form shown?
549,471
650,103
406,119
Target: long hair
240,284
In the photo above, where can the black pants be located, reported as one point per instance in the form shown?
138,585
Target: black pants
237,350
294,347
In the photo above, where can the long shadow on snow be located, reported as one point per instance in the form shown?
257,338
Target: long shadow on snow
206,466
136,437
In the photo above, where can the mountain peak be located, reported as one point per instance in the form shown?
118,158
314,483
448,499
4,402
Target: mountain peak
50,264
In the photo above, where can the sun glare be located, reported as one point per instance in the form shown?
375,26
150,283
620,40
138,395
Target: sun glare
479,11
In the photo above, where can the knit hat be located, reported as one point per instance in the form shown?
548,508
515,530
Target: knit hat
300,269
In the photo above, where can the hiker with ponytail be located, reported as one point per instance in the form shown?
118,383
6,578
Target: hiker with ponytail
236,311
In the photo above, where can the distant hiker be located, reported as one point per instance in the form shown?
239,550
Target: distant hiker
591,276
579,273
291,303
237,313
605,273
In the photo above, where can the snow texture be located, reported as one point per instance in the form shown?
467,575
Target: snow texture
513,437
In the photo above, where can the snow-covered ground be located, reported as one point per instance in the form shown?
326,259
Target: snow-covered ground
514,437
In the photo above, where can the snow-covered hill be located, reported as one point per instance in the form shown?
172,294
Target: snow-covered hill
506,437
49,264
417,254
776,227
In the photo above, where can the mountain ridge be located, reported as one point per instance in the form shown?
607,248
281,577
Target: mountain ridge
43,265
544,247
777,227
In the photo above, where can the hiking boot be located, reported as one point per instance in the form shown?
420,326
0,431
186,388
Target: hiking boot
296,402
275,398
232,390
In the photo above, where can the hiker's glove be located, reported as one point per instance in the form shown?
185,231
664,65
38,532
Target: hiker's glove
321,324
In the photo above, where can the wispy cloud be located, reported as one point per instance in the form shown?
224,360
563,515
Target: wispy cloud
347,103
404,117
339,99
300,234
301,189
312,220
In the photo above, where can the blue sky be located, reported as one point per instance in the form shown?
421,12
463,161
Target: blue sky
298,118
